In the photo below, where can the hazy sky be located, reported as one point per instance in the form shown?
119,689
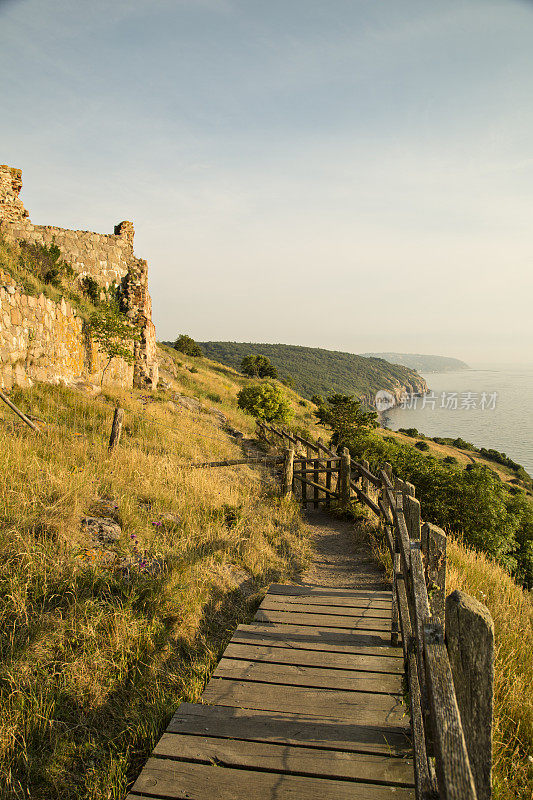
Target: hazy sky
351,174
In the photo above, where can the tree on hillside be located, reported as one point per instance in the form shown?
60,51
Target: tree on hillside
344,414
185,344
114,334
258,366
265,401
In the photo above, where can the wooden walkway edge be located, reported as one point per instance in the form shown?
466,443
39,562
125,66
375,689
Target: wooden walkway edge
306,702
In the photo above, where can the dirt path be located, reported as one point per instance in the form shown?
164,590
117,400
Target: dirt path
343,555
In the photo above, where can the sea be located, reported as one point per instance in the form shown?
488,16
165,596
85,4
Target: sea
490,406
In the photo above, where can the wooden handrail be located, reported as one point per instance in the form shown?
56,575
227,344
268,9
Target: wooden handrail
442,756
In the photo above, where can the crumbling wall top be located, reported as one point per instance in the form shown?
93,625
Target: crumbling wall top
11,206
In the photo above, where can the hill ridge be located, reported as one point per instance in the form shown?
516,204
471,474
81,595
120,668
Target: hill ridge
317,370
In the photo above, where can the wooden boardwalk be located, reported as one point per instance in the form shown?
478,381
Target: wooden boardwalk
306,703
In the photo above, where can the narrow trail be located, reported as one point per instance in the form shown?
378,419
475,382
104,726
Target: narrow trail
306,700
342,555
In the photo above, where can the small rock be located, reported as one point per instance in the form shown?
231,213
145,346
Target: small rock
190,403
103,529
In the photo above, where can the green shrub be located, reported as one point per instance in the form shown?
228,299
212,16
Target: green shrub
258,366
422,445
44,262
264,401
409,432
91,289
184,344
473,503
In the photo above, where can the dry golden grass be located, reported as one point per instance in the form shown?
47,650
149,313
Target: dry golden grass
95,659
512,611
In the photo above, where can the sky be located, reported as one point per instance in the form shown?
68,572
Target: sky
348,174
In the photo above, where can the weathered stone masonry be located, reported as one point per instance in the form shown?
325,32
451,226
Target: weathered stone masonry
42,340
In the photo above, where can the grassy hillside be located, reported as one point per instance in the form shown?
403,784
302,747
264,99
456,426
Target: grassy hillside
444,449
100,641
318,371
422,363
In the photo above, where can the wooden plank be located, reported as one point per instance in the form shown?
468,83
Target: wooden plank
279,604
335,601
327,591
284,758
324,620
310,730
314,638
317,486
314,658
185,781
380,710
369,476
315,677
364,498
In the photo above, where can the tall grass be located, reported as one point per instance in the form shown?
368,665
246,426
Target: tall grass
512,611
94,657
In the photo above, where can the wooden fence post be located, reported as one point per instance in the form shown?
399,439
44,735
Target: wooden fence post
411,510
365,485
319,466
434,551
395,558
470,643
345,477
288,472
116,428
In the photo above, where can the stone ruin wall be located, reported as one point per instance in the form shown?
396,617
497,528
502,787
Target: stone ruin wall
47,340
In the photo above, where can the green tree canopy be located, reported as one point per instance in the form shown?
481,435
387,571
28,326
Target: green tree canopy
258,366
344,414
185,344
265,401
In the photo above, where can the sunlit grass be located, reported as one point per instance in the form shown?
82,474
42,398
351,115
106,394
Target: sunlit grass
95,659
512,611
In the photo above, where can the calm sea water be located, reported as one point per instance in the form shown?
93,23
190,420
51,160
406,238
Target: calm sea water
505,423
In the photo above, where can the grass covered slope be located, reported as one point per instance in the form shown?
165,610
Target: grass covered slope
100,643
318,371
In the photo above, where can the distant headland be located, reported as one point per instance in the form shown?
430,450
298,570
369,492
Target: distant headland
422,363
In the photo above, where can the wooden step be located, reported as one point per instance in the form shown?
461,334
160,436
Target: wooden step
178,780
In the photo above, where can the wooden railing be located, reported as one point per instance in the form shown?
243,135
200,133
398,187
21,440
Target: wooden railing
448,642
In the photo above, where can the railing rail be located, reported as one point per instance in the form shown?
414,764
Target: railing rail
450,703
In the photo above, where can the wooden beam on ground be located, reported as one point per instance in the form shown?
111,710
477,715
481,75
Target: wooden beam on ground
18,412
